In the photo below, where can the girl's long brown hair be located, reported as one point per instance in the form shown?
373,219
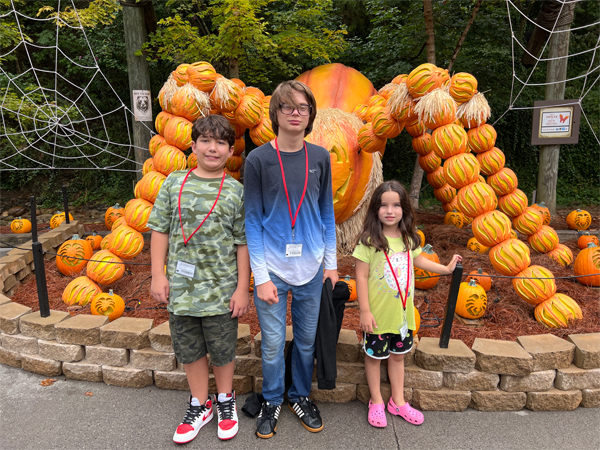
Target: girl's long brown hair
372,234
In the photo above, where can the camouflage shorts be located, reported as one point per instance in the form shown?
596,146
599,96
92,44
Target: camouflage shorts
194,337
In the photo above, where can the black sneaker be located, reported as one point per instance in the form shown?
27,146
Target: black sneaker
308,413
266,424
195,418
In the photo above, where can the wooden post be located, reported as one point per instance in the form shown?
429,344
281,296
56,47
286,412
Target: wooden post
556,71
134,25
451,306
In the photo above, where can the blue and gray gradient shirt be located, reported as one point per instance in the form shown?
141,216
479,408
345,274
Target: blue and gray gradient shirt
268,223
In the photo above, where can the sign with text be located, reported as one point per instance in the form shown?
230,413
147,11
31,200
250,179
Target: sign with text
555,122
142,107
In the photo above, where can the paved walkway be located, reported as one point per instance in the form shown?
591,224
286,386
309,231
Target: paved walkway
63,417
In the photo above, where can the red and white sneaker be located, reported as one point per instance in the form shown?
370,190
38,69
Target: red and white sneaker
195,418
228,418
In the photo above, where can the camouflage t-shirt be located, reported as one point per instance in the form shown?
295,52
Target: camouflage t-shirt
211,250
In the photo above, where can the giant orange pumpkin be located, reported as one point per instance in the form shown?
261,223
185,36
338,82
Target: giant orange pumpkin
491,228
476,199
534,284
461,170
427,283
513,204
126,242
588,263
137,212
510,257
338,86
105,267
73,255
80,291
149,185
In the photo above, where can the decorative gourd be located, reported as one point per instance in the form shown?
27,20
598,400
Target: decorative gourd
351,288
463,86
427,283
471,301
148,166
429,162
513,204
110,305
534,284
414,127
475,246
449,140
544,240
178,133
168,159
19,226
461,170
491,228
422,237
80,291
422,144
156,142
482,138
582,241
510,257
106,267
73,255
202,75
445,194
137,212
454,218
557,311
562,255
263,132
491,161
149,186
58,218
95,240
579,220
587,263
425,78
482,278
112,214
369,141
541,207
126,242
249,113
118,222
436,178
476,199
503,182
529,222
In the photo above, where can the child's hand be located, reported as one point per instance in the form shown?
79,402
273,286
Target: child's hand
367,322
239,304
160,289
452,264
267,292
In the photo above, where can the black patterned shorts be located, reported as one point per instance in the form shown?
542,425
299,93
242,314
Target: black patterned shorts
194,337
379,346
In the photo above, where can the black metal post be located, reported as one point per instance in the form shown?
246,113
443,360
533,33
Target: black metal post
38,262
451,306
66,203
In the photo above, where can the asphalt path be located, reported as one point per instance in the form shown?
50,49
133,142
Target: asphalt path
62,416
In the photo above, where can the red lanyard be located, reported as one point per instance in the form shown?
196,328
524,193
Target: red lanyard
185,241
405,298
293,219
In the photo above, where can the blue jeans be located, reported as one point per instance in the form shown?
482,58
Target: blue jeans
306,303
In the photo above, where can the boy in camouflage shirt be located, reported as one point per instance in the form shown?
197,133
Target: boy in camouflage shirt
198,218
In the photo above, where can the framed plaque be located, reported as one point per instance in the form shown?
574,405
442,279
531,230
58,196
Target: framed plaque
555,122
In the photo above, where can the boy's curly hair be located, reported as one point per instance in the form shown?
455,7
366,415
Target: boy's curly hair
213,126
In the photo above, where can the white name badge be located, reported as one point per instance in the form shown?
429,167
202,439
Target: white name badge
403,330
293,250
185,269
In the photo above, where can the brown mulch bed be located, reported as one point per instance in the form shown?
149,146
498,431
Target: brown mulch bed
507,316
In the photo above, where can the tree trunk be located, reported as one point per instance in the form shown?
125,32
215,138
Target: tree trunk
417,178
134,25
549,154
464,35
234,68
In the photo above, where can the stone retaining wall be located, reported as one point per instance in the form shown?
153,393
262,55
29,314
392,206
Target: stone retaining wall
540,373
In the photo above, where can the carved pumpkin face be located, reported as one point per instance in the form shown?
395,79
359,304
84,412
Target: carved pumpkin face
476,246
579,220
73,254
454,218
471,301
112,214
19,226
110,305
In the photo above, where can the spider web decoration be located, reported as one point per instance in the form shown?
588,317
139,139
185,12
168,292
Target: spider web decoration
592,71
49,121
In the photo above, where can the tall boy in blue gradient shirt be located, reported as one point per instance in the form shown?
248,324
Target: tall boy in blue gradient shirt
290,230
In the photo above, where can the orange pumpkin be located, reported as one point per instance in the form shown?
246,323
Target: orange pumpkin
236,175
510,257
513,204
19,226
463,86
239,146
118,222
234,163
95,240
156,142
579,220
476,199
471,301
557,311
249,112
106,242
202,75
361,111
251,90
387,90
227,95
414,127
585,239
161,122
106,267
372,111
148,166
137,212
192,161
422,144
588,263
429,162
449,140
491,161
503,182
444,112
385,126
263,132
399,79
541,207
491,228
445,194
426,283
422,237
112,214
425,78
461,170
529,222
149,186
452,205
474,245
73,255
562,255
338,86
534,284
436,178
369,141
58,218
110,305
251,288
126,242
178,133
454,218
168,159
190,103
544,240
417,321
80,291
180,74
352,288
482,278
482,138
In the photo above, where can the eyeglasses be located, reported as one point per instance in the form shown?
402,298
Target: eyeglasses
303,110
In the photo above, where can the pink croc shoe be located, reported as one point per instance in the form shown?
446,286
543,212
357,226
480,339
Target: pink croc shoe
377,415
405,411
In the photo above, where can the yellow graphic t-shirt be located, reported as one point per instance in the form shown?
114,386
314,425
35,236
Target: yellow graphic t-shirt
384,301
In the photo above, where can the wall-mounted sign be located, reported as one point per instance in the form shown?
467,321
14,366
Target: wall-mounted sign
555,122
142,106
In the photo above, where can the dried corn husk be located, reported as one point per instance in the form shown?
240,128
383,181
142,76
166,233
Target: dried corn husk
436,108
166,93
475,112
